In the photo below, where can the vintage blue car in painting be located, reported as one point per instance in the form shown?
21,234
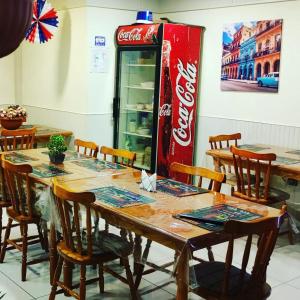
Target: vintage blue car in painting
271,80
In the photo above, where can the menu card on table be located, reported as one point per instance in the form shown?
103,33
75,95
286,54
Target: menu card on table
98,165
119,197
18,158
48,171
213,218
177,188
71,155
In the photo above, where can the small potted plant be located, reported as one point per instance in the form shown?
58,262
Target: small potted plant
57,147
12,117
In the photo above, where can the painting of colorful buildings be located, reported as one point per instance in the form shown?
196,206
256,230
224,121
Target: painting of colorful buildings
251,56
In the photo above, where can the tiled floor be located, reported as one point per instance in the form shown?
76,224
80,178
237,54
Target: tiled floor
283,276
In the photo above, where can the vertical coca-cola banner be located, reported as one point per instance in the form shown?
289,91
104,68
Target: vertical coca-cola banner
178,95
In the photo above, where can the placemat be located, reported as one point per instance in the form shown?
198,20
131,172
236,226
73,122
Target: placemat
253,148
71,155
98,165
177,188
48,171
17,158
296,152
286,160
216,216
119,197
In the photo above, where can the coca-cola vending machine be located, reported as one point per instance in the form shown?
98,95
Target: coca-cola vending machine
156,93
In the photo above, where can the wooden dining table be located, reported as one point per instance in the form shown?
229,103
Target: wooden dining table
43,132
287,164
154,220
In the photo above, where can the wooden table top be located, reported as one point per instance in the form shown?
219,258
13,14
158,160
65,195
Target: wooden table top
40,157
44,132
154,220
157,218
289,169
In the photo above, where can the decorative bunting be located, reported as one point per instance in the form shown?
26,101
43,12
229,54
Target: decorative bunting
44,22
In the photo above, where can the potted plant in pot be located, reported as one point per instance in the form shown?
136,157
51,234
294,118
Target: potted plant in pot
57,147
12,116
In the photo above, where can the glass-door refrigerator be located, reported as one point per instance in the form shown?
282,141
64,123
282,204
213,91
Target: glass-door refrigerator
149,91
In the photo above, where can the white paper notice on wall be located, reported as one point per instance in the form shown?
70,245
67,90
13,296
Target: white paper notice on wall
99,60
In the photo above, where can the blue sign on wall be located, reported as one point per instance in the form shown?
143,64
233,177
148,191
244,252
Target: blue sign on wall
99,41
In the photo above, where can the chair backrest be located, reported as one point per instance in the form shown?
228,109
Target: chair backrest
267,232
224,140
106,151
120,156
244,161
18,187
216,178
19,139
71,206
89,148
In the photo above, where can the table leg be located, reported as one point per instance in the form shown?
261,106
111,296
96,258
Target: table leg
141,266
182,275
52,252
217,164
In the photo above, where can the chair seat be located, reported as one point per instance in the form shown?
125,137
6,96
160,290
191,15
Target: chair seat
21,218
276,196
5,204
105,247
207,279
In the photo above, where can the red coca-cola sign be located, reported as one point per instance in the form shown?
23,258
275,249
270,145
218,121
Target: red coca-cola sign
178,96
143,34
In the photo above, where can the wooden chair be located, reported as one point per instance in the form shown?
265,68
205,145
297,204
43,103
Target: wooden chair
215,183
223,280
120,156
89,148
83,247
215,178
20,192
244,162
20,139
225,141
13,140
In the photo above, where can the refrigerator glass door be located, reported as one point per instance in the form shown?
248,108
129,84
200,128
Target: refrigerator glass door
136,92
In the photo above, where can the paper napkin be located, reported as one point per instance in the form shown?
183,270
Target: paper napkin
148,182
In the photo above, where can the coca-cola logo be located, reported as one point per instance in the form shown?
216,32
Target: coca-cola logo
165,110
148,35
185,91
132,35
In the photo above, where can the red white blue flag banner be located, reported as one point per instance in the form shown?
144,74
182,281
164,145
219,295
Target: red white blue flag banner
44,22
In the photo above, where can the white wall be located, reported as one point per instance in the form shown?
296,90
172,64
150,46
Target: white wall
7,79
256,107
56,84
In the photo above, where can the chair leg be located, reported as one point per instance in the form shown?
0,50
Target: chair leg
82,282
101,278
210,254
45,236
6,237
1,211
24,229
41,237
129,276
56,278
290,231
